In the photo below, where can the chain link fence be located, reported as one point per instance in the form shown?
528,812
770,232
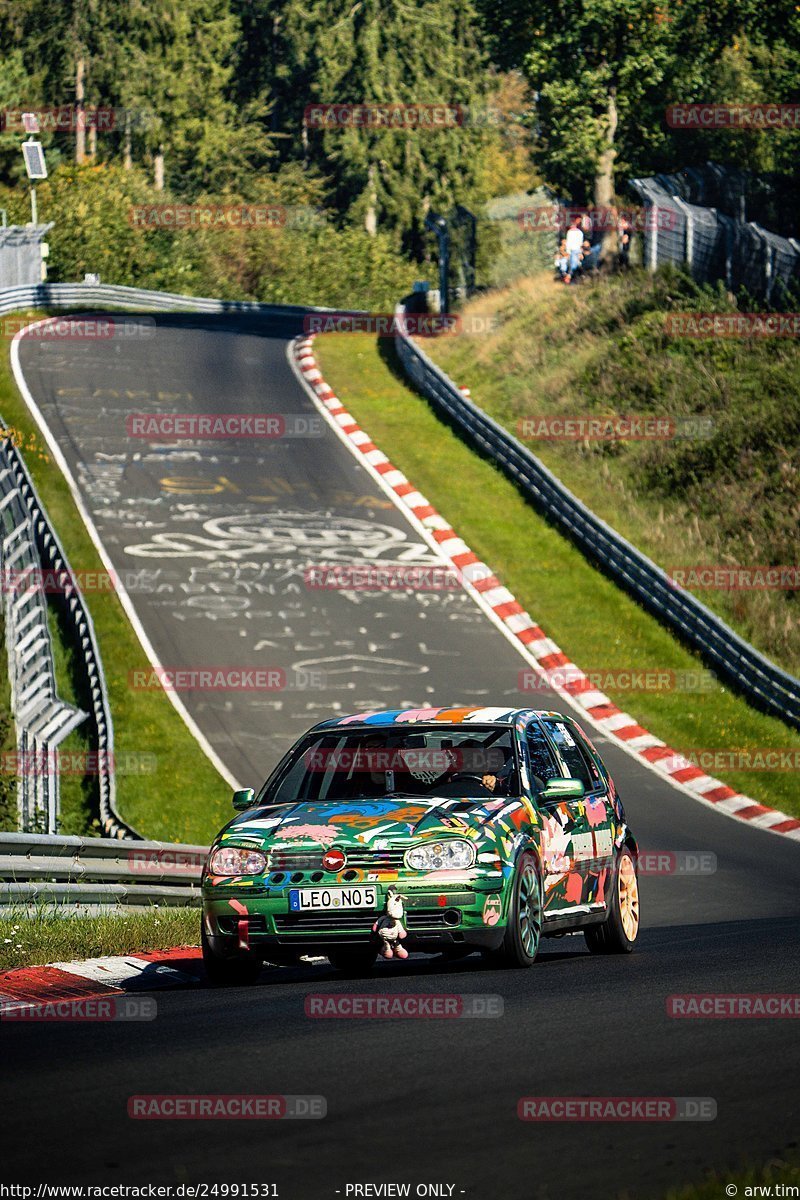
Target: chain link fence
709,240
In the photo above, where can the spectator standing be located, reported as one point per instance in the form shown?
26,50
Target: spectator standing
624,236
574,241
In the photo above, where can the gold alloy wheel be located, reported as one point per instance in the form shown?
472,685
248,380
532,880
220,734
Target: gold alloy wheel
628,895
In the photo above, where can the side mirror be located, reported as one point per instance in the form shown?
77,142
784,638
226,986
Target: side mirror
243,799
563,789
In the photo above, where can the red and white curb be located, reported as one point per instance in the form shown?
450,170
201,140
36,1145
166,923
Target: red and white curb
36,990
72,983
520,628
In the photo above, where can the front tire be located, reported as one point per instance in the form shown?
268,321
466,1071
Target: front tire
523,933
619,931
236,970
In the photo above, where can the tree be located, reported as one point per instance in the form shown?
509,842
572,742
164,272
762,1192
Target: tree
180,86
604,72
390,52
595,66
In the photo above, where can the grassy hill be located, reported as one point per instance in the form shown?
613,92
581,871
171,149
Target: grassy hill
727,494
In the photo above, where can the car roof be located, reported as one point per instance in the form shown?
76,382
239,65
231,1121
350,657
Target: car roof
444,716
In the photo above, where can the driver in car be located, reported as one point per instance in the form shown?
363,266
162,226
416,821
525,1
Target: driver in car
503,783
479,763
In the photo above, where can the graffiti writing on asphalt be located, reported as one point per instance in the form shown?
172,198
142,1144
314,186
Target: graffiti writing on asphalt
312,535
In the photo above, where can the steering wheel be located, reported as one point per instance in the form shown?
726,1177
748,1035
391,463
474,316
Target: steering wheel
472,777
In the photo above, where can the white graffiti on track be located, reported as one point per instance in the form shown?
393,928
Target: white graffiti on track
314,536
360,664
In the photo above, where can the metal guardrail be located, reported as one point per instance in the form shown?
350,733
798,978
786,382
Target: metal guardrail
41,719
37,730
734,659
39,789
38,870
101,295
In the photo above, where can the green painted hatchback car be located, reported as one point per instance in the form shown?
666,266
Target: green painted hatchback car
442,830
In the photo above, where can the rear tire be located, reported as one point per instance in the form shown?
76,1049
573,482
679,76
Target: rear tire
619,931
523,933
236,970
353,960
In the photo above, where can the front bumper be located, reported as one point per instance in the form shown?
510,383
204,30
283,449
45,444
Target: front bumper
254,915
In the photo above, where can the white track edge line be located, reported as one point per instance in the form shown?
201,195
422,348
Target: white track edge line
498,622
122,591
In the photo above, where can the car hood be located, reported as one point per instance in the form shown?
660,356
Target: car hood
364,822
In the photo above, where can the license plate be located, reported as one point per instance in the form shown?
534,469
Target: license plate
306,899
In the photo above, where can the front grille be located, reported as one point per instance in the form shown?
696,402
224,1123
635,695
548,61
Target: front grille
308,922
359,922
358,859
256,923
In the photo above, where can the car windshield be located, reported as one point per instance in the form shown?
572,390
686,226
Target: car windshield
359,764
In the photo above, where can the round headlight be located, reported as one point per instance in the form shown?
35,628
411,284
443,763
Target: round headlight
452,855
236,860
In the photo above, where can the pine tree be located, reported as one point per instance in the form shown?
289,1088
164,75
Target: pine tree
385,53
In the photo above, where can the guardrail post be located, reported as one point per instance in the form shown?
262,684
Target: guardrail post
762,682
688,241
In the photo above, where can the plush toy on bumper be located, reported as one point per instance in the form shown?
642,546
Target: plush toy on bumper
389,926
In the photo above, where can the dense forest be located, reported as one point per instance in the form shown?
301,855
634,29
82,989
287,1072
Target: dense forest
228,102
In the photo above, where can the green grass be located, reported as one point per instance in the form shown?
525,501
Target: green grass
184,799
8,740
595,623
601,349
747,1182
27,941
78,793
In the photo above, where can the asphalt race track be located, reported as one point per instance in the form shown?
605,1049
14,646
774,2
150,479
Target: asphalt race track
228,527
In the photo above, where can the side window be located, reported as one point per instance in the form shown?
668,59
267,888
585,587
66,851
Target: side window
543,764
576,759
